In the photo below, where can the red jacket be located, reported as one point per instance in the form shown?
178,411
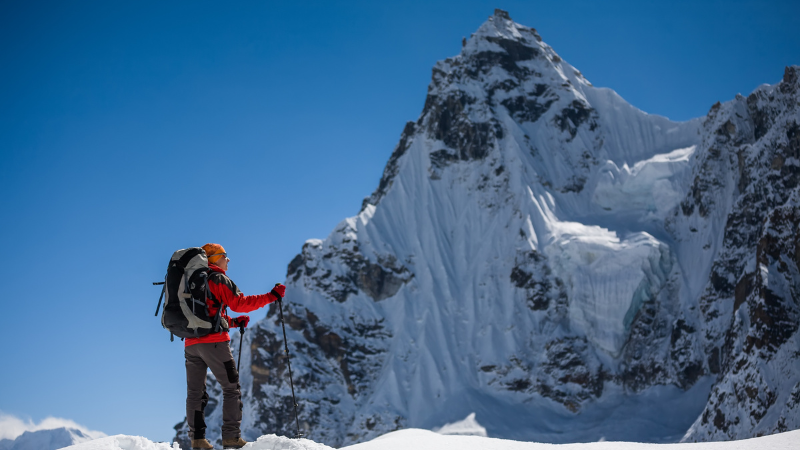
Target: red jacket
225,290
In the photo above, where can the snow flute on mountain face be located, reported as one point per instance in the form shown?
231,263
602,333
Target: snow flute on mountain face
213,352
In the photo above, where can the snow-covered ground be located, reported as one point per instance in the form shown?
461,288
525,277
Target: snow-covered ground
417,439
426,440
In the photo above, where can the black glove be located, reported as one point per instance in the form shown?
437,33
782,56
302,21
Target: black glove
278,291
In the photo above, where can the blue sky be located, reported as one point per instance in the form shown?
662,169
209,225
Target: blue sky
129,130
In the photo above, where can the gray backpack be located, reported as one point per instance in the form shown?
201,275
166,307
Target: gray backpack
185,291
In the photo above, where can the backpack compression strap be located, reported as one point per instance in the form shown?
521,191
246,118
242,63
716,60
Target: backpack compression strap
163,289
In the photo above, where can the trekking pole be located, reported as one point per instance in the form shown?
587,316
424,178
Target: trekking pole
288,363
241,335
156,283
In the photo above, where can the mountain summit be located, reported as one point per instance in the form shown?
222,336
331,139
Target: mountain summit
562,264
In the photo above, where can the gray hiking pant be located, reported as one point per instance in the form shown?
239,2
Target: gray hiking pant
218,358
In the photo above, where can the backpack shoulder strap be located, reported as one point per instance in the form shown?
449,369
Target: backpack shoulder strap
210,294
221,278
217,319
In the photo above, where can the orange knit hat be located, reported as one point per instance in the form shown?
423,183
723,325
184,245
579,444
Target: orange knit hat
215,252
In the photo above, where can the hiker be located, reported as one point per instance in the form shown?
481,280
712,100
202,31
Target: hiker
213,351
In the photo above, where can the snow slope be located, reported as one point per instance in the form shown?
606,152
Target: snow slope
426,440
566,266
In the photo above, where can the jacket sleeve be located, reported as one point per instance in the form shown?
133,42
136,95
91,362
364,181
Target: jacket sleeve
246,303
229,294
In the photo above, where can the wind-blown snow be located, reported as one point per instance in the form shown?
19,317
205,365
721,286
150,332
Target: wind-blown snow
467,427
49,439
12,427
50,434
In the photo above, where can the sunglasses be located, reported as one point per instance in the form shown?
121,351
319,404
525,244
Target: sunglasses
218,254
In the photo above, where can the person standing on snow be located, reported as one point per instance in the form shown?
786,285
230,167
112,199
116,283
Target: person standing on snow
213,351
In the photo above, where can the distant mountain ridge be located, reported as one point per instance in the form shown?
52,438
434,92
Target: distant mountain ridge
48,439
543,254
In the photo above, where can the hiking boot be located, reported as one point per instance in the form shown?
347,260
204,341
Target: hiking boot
233,443
201,443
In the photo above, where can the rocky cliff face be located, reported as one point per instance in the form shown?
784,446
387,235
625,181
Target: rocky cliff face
749,309
545,255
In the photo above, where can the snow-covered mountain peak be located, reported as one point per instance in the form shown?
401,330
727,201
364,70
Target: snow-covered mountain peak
545,255
499,27
501,44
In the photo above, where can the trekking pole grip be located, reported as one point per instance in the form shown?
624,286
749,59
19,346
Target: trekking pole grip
275,293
